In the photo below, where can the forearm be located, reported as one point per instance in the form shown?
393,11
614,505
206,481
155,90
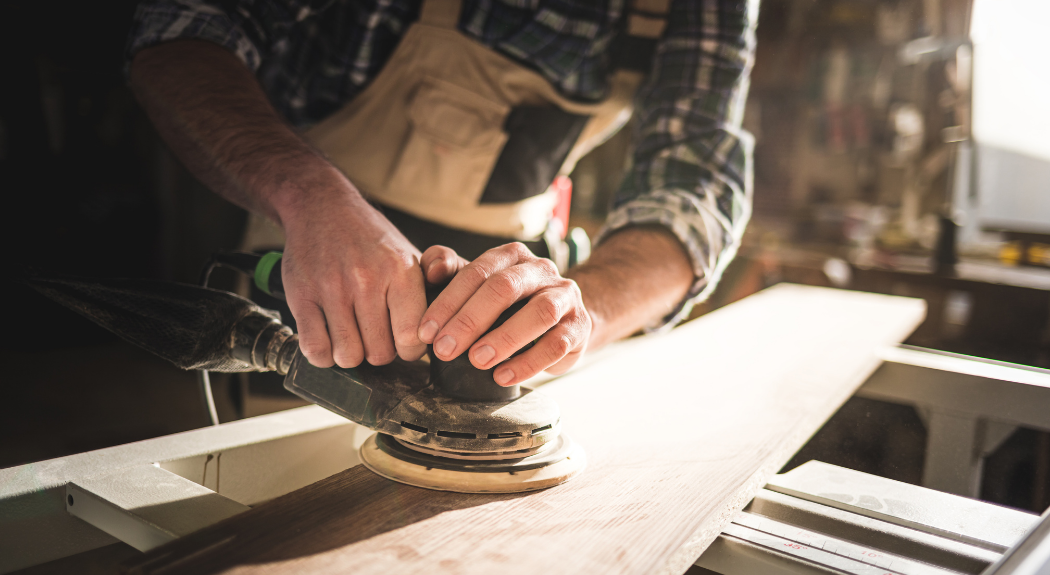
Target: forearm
215,117
635,277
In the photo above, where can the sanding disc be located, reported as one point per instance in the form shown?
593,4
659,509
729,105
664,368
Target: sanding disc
557,464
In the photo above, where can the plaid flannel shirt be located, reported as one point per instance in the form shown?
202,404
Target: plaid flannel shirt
691,169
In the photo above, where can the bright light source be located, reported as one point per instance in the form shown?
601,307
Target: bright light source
1012,75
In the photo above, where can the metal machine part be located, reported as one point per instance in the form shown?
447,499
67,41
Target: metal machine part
547,466
192,327
819,518
263,342
445,410
400,400
1029,557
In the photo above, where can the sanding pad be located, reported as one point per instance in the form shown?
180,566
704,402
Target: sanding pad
555,464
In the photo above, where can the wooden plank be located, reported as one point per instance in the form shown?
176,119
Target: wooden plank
680,429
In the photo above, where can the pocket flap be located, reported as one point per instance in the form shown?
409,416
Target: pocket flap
455,116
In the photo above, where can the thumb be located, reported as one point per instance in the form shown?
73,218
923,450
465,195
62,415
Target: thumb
440,264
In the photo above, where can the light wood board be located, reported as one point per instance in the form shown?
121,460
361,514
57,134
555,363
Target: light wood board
680,430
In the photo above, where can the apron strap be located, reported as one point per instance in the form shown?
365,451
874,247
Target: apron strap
440,13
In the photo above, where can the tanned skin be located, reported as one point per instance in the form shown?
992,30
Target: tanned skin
352,280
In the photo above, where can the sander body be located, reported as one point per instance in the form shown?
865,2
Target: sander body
439,425
446,425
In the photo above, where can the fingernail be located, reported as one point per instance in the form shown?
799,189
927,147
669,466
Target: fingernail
428,331
431,267
445,346
503,375
484,354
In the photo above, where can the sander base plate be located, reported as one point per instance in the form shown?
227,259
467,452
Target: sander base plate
386,457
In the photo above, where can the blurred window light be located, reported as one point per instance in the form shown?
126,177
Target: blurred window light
1011,115
1012,75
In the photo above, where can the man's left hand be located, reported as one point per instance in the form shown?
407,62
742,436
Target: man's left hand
482,290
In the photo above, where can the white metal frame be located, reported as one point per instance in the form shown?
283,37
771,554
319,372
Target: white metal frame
152,491
970,407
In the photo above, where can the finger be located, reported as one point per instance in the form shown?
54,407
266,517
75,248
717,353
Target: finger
313,332
542,312
498,293
468,280
373,319
440,264
554,346
407,301
347,349
567,362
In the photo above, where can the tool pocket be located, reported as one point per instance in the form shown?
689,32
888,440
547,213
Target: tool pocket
454,139
539,140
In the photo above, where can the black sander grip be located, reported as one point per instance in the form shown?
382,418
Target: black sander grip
457,378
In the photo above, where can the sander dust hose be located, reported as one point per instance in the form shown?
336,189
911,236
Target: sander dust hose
193,327
266,270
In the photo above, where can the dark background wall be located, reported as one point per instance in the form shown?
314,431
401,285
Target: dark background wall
89,190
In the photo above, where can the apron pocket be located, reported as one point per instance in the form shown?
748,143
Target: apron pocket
540,139
454,139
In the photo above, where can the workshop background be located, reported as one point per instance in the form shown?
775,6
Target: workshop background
898,150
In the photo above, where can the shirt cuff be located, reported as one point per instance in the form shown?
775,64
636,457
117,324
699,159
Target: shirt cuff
708,237
158,22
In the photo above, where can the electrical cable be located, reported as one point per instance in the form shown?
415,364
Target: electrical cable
202,374
246,263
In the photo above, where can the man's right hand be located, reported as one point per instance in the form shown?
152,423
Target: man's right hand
352,280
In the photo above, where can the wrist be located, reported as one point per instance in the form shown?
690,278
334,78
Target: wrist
312,185
634,277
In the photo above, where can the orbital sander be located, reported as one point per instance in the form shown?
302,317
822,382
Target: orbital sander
439,425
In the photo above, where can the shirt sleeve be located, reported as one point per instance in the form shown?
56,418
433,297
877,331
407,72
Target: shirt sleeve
691,170
232,25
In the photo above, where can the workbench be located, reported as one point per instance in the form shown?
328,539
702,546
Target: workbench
709,426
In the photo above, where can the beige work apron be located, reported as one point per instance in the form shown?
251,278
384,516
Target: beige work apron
424,136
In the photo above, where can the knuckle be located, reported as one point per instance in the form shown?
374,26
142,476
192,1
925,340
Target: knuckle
405,337
362,280
440,312
532,366
559,347
382,358
435,252
548,309
572,287
476,273
505,342
314,348
548,266
348,360
330,284
465,323
513,250
341,336
506,285
313,351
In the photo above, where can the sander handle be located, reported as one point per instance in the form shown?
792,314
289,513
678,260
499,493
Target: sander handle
265,269
457,378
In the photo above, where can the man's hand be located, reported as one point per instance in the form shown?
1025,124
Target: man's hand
634,277
482,290
352,280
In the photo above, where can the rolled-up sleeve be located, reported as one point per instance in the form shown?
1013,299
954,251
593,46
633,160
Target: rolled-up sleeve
691,170
158,21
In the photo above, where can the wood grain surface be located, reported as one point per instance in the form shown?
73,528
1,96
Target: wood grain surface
680,430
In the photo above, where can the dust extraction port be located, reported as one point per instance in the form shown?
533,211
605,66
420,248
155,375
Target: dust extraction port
456,435
505,435
414,427
547,427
